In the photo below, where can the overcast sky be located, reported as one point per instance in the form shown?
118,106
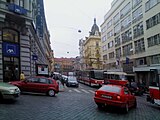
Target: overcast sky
64,19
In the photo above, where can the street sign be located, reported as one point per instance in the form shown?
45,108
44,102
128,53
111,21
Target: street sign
34,57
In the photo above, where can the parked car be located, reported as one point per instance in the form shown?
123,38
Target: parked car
38,84
115,95
64,77
72,81
8,91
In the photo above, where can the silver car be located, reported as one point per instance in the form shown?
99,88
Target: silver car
8,91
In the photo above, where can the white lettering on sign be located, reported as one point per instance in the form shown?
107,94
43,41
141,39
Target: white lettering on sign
10,51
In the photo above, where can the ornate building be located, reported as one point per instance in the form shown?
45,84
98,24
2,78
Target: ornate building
92,45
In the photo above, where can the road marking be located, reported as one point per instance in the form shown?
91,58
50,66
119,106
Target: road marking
84,91
80,86
77,90
70,90
91,91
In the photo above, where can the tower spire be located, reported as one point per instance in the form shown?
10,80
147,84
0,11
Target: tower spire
94,20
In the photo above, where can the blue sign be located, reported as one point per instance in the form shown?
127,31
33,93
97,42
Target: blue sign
34,57
10,49
17,9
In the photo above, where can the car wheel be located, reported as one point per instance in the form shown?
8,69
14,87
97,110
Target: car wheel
51,93
126,109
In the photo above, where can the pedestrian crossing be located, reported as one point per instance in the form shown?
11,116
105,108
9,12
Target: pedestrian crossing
79,90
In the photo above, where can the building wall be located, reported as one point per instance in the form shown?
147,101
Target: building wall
135,44
23,21
92,59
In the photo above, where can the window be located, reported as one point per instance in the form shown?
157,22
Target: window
43,80
150,4
125,10
126,91
117,41
139,46
117,29
118,53
104,38
110,34
10,35
116,18
155,59
126,22
127,49
137,14
10,1
32,80
104,57
127,36
138,30
111,55
111,88
136,2
110,44
21,3
153,40
104,48
109,24
97,44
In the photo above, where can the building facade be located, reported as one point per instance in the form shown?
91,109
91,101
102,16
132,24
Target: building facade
131,39
64,65
81,53
92,45
21,46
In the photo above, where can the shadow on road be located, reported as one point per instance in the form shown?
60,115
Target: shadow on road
8,101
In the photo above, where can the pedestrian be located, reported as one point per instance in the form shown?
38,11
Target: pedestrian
22,76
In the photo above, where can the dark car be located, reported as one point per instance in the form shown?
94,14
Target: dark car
72,81
137,89
115,95
38,84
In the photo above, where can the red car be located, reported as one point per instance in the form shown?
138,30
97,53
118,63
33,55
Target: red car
38,84
115,95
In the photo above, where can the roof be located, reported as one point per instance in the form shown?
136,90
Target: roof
116,73
95,28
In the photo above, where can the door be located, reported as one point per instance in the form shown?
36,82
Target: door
42,85
30,84
129,96
11,69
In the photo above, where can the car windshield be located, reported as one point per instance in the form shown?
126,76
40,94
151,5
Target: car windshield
110,88
72,79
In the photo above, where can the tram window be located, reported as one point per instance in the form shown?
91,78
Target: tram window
117,77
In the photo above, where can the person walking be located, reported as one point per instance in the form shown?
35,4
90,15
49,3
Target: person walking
22,76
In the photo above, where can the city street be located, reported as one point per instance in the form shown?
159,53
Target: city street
72,104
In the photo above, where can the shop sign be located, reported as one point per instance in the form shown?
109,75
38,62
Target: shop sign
10,49
17,9
34,57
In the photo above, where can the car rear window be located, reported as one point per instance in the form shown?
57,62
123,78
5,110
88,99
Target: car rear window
110,88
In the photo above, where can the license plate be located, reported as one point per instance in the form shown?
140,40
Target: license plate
108,97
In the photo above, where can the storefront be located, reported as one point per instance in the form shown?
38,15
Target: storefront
10,54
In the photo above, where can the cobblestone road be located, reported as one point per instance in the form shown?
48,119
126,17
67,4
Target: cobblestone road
72,104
